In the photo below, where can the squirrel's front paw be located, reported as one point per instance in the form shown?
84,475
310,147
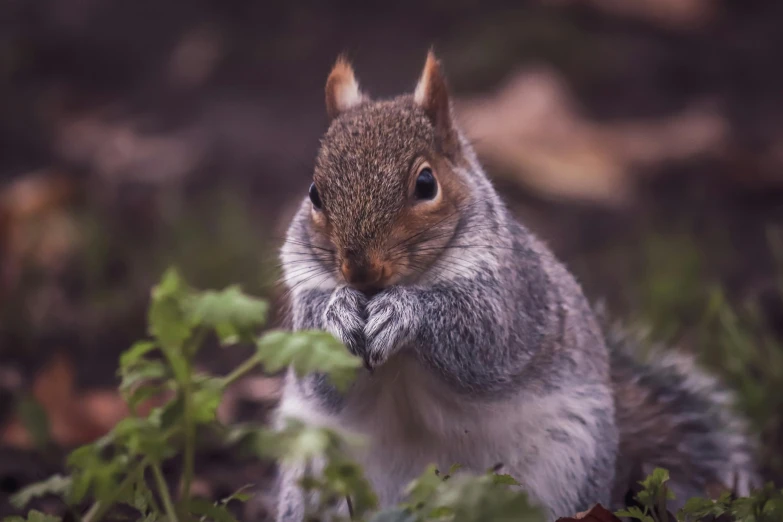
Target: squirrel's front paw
345,316
392,317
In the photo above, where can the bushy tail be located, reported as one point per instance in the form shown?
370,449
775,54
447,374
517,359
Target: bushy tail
672,414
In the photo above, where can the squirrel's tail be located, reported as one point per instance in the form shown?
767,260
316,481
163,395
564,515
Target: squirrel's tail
673,415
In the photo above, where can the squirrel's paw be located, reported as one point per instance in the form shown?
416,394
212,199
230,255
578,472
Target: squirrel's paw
391,322
344,318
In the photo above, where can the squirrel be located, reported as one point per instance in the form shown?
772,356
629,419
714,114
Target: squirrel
479,346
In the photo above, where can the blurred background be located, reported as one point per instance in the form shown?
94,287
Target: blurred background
642,139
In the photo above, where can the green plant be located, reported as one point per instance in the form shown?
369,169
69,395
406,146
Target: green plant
765,505
652,499
116,468
127,465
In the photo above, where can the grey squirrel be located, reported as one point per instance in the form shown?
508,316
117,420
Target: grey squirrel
479,346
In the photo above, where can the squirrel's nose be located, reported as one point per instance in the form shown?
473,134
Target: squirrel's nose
363,274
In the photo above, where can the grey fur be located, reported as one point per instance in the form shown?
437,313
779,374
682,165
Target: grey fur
673,415
489,353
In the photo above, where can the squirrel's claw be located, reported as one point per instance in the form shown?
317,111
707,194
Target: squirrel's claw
344,318
389,324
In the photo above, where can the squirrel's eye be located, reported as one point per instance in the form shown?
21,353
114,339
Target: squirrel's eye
426,186
315,198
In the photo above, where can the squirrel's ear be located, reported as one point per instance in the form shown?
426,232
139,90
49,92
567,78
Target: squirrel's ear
342,89
432,94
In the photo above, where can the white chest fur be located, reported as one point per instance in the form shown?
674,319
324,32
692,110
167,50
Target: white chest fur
412,420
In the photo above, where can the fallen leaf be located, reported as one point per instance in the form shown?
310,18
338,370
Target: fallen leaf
532,131
35,224
73,418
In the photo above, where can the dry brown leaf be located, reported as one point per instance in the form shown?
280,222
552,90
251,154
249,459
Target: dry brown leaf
532,131
74,418
35,224
35,193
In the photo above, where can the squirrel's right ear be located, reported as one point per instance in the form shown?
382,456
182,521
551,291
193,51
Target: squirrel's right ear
432,95
342,89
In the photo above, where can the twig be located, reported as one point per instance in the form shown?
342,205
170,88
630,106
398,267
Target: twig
241,370
190,440
350,506
164,492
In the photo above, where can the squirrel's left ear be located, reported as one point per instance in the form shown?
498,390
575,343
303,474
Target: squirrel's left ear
342,89
432,94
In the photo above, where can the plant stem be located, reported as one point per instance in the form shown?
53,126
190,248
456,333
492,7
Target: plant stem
164,492
186,387
190,440
99,509
241,370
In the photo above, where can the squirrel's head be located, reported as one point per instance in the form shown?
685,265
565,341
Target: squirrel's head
385,196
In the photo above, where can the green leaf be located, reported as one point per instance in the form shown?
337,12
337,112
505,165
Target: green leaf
171,413
206,399
83,456
505,480
210,511
308,351
133,354
104,483
297,442
142,371
469,498
168,322
230,312
169,325
171,285
80,486
54,485
453,469
93,472
395,515
697,508
766,505
655,492
33,516
347,479
141,394
636,513
421,490
239,495
656,479
227,334
143,437
440,512
308,443
141,497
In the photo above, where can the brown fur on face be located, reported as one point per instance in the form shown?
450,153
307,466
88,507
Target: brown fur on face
366,171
